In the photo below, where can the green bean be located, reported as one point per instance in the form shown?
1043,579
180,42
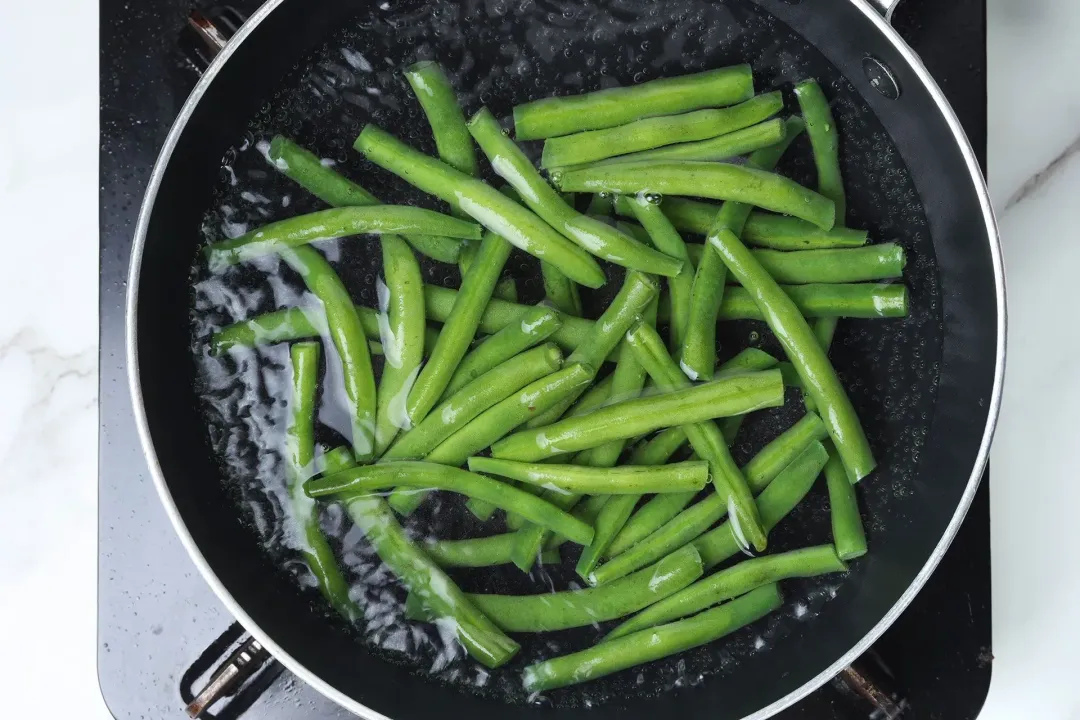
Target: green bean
662,508
437,98
721,398
637,291
802,348
402,326
653,644
695,520
501,419
460,328
774,503
577,608
478,552
856,300
731,583
704,437
536,326
847,527
308,171
598,238
655,132
779,232
697,355
841,265
624,480
666,239
719,181
343,325
783,450
477,396
300,460
825,140
721,147
367,479
560,290
480,637
335,223
529,537
587,511
335,460
847,265
819,300
553,116
482,202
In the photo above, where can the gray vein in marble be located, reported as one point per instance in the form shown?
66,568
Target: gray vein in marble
1036,181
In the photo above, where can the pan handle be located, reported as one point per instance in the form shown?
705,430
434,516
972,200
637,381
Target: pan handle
885,7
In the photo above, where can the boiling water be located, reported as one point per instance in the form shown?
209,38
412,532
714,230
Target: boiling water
498,54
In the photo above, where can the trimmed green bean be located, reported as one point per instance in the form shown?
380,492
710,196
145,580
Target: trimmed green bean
697,355
343,325
779,232
485,391
579,608
478,552
731,583
653,644
718,181
401,328
720,398
368,479
554,116
536,325
774,503
656,132
501,419
335,223
825,140
855,300
477,634
482,202
666,238
560,291
460,328
308,171
849,537
819,300
637,291
783,450
300,461
841,265
587,511
696,519
600,205
846,265
598,238
663,508
722,147
704,437
802,348
437,98
623,480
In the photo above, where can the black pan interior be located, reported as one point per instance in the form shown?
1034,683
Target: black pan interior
922,385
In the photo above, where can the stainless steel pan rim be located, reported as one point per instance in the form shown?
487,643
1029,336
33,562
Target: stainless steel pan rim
301,671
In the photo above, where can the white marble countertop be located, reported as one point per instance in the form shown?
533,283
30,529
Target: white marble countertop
48,355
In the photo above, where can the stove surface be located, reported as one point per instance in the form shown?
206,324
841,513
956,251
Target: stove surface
156,615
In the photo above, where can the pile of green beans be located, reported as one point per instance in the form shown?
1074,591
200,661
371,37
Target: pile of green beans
513,405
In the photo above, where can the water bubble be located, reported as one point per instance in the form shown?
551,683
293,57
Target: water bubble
654,198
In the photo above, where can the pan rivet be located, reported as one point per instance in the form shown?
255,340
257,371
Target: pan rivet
881,77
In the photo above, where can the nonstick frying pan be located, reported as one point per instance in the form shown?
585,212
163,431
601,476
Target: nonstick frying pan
927,388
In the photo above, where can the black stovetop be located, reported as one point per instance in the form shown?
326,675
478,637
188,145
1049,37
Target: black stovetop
156,616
